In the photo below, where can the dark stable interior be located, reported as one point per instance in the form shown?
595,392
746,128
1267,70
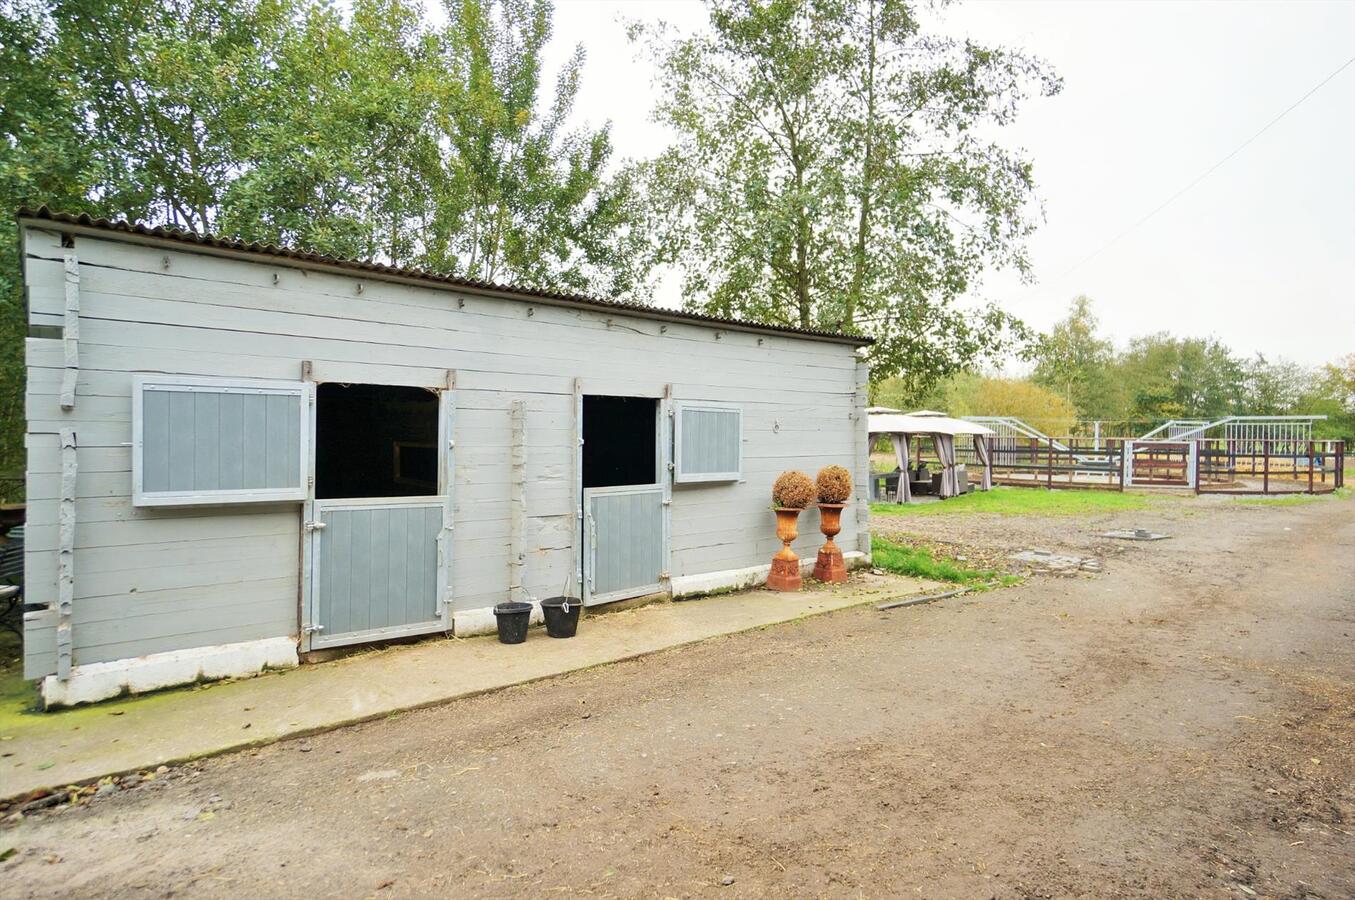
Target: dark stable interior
375,441
619,441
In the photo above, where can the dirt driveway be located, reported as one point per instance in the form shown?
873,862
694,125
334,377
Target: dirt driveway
1179,725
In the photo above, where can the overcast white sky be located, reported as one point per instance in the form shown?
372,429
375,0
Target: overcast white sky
1260,254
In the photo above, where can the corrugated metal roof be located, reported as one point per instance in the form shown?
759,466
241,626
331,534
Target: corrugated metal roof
178,235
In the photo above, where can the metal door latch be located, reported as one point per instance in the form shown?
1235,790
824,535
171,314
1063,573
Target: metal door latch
315,526
311,629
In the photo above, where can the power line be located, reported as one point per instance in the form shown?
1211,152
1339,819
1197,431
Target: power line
1207,172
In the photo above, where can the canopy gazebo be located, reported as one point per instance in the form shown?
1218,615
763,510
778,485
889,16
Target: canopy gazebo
943,430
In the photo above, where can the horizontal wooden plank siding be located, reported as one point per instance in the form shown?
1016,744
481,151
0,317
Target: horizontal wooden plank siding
162,579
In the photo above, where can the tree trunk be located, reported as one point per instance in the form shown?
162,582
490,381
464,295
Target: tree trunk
802,270
802,235
867,187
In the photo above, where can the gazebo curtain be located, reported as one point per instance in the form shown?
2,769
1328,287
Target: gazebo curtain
945,451
904,492
985,460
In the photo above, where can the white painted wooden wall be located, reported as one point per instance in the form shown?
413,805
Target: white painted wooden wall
153,580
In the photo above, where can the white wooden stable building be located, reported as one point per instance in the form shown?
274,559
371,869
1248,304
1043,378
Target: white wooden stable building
239,453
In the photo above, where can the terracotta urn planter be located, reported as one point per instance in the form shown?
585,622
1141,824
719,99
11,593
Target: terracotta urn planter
785,574
834,486
830,566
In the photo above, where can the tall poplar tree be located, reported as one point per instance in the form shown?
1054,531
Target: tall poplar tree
833,170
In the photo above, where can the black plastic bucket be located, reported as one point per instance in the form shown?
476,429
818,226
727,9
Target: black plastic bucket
562,616
513,619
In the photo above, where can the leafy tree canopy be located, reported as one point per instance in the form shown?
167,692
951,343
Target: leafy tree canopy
370,134
367,133
1160,376
831,171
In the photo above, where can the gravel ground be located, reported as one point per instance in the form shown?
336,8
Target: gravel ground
1180,724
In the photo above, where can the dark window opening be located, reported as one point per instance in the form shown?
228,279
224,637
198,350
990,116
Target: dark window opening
375,441
619,441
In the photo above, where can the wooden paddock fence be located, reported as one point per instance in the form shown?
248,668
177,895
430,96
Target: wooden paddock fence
1076,463
1203,465
1268,467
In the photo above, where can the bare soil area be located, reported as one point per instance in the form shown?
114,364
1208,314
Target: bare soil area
1181,724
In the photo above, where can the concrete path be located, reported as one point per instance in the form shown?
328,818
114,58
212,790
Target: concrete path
43,750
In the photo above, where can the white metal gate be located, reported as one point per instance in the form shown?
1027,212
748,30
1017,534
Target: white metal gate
376,570
1160,463
626,547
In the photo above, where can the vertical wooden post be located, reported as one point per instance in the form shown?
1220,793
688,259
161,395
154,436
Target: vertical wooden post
1311,463
1049,466
517,523
447,534
70,332
1196,445
304,613
65,640
666,426
576,489
1265,467
863,474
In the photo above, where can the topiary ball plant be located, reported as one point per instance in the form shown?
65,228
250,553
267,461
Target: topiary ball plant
792,490
834,484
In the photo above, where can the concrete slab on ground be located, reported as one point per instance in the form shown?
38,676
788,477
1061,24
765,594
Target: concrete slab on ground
43,750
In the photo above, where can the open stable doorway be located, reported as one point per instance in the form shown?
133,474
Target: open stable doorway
375,441
376,560
624,529
620,441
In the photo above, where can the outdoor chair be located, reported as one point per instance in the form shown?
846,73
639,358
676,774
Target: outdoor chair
12,580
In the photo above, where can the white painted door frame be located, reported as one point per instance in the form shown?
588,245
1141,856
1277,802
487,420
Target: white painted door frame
310,543
586,563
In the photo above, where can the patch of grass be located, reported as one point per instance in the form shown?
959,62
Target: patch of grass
920,563
1022,501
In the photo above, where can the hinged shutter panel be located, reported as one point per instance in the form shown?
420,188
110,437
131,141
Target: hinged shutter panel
201,441
707,442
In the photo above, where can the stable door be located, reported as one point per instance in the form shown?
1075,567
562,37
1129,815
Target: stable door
625,528
378,526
